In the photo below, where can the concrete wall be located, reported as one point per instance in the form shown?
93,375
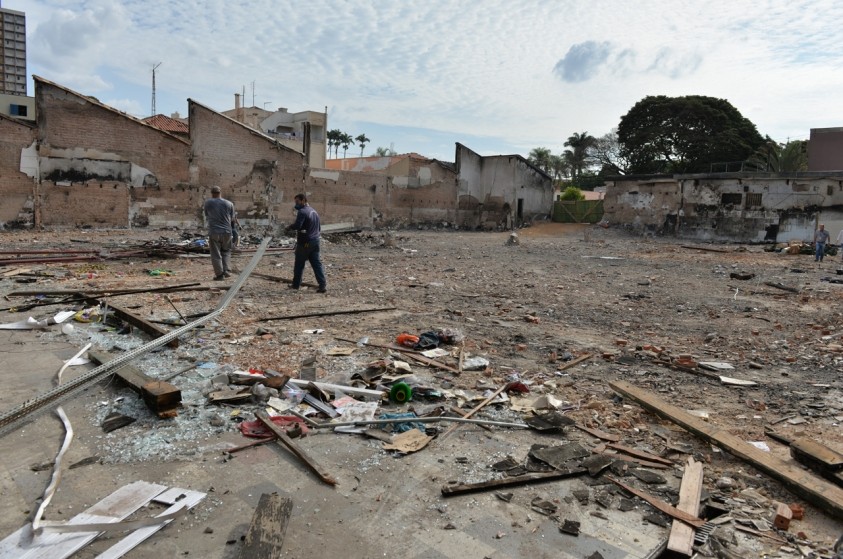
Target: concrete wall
726,207
16,188
825,149
494,188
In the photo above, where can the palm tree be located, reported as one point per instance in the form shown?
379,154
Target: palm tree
345,141
333,139
780,158
384,152
577,156
540,157
559,167
362,140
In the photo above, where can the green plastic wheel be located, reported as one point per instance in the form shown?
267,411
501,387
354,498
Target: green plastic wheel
400,393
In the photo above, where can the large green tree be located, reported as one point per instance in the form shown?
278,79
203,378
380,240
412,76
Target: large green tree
687,134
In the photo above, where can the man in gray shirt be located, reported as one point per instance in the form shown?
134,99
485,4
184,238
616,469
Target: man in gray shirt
220,217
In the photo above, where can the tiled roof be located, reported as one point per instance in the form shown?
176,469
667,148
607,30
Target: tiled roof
167,124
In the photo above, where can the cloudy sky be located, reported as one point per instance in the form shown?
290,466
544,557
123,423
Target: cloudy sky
500,76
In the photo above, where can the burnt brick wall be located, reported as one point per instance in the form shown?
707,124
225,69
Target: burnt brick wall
16,188
256,173
72,125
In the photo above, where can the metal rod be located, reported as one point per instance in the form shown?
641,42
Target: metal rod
417,420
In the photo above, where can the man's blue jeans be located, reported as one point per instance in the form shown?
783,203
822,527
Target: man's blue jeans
818,255
308,252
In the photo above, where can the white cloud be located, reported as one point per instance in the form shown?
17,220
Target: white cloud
478,69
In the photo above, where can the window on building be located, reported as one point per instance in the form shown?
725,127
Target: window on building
753,199
731,198
17,110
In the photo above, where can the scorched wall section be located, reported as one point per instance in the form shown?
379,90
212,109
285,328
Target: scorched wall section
16,188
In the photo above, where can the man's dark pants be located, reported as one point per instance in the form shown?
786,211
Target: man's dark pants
308,252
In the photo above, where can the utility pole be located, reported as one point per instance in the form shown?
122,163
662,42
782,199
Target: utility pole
155,67
253,93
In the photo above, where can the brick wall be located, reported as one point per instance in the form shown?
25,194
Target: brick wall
256,173
88,204
71,125
16,188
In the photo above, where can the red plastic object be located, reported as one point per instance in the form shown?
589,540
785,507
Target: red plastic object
408,340
258,430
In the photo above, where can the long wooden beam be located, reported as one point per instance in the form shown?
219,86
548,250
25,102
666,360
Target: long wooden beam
825,496
285,440
463,488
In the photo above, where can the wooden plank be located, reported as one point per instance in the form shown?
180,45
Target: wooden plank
462,488
160,396
639,461
640,454
288,442
828,458
666,508
681,538
59,545
479,407
265,537
603,436
177,499
576,361
823,495
430,362
142,324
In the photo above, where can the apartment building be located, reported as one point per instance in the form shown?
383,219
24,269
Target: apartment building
13,52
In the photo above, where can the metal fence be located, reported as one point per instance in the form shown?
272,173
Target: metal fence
581,211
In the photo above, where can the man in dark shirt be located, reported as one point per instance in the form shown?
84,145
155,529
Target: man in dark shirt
220,217
308,231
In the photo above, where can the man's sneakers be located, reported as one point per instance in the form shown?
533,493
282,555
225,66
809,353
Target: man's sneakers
226,275
219,277
322,290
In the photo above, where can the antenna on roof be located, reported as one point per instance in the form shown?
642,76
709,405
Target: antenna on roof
155,67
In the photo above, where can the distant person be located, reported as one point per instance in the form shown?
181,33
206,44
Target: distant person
821,237
220,217
840,242
235,233
308,232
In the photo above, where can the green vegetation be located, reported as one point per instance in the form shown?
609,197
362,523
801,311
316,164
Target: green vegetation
687,134
572,194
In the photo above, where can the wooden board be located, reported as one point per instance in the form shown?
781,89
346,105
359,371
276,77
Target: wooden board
160,396
462,488
825,496
56,545
828,458
690,490
140,323
285,440
265,537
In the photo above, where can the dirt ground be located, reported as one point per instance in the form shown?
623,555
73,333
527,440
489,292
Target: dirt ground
646,311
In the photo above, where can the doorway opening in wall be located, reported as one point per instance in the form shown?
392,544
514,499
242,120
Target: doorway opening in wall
519,212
